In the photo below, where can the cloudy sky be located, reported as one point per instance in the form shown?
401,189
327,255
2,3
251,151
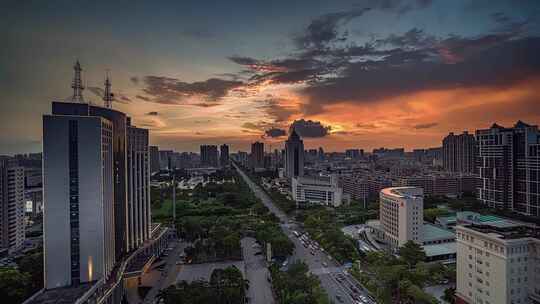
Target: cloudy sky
365,74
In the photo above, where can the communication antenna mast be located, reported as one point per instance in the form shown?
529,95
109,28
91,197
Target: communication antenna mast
108,96
77,85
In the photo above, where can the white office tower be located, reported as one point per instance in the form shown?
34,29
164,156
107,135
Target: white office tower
138,167
11,205
402,215
498,263
294,156
321,190
79,239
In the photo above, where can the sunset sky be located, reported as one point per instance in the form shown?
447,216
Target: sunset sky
352,74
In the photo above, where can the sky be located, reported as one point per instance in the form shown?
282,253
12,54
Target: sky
345,74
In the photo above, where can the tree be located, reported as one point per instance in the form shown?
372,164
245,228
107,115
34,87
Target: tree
14,285
450,295
33,265
412,253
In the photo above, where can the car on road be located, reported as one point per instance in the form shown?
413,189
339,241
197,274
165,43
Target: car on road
339,298
325,264
312,252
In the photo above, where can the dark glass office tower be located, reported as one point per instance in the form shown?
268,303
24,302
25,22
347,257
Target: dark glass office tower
119,121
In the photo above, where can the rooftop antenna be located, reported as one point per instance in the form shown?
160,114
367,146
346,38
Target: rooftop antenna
77,85
108,96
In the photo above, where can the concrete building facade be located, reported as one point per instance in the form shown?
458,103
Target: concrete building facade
317,190
138,166
401,215
79,217
498,264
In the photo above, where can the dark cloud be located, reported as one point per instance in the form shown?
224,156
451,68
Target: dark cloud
310,128
275,132
275,109
399,6
117,97
492,60
173,91
134,80
324,29
425,126
153,113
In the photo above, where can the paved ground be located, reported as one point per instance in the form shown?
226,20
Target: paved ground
260,289
167,276
339,290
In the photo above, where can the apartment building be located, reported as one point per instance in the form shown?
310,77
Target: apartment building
498,263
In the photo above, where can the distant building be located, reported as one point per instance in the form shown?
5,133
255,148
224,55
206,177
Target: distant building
389,153
498,263
360,188
402,215
294,156
154,159
441,185
508,166
257,155
165,159
209,156
353,153
317,190
12,225
459,153
224,155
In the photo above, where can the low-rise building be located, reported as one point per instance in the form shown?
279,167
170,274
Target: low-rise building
317,190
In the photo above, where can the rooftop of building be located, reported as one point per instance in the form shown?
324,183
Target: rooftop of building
432,233
403,192
440,249
505,229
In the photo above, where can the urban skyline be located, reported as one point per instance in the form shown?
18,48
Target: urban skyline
307,151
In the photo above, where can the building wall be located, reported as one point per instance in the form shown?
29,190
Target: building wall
495,270
294,156
138,187
79,243
317,190
401,214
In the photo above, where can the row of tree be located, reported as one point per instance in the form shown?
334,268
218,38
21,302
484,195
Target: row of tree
296,285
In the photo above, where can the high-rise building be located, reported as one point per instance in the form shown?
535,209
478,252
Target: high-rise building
459,153
294,156
497,263
79,218
224,155
209,156
257,155
154,159
401,215
11,205
138,166
508,161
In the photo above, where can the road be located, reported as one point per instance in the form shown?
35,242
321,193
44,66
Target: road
260,289
339,285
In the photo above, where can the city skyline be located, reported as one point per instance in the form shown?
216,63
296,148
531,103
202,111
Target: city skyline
352,74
